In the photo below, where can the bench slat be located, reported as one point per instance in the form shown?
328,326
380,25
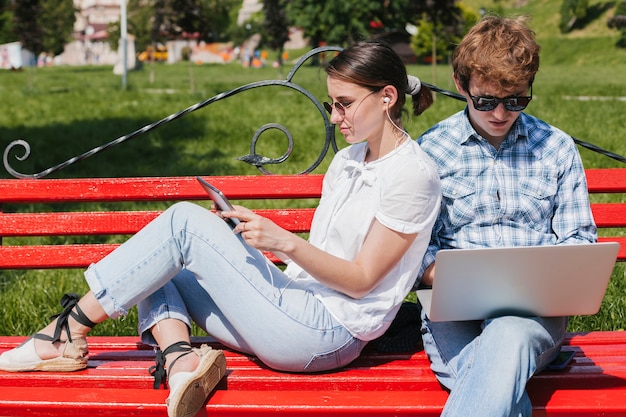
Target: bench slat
18,401
120,222
606,180
117,383
81,402
315,403
81,256
609,214
61,256
621,254
578,403
115,402
242,375
157,188
52,256
71,224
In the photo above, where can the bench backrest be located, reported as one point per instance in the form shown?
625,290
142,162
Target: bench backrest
31,204
28,210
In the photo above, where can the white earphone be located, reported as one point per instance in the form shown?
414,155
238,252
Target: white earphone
386,100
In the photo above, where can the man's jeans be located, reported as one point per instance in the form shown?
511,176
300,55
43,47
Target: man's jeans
486,364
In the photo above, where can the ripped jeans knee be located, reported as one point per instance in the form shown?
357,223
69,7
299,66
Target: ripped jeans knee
157,307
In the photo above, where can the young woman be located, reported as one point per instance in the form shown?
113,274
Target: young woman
339,290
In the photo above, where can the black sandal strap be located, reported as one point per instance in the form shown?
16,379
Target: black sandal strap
69,301
81,318
158,371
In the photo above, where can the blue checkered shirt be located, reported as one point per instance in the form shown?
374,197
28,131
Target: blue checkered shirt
531,191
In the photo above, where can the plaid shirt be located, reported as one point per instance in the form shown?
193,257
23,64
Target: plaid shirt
531,191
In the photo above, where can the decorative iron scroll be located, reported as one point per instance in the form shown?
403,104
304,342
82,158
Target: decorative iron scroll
252,158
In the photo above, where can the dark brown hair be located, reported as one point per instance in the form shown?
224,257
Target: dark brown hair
373,64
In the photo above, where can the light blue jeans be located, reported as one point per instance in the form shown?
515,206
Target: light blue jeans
188,264
486,364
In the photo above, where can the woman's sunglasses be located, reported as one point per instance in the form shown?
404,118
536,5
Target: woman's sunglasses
341,108
482,103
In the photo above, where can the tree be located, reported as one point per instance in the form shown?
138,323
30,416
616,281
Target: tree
336,22
154,21
618,21
139,17
440,12
57,20
6,23
422,41
341,22
276,26
43,26
25,24
238,34
444,36
207,20
217,15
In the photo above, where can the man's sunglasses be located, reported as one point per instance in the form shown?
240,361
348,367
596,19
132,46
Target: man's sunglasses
482,103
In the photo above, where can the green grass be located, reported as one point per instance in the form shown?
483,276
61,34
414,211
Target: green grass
65,111
81,108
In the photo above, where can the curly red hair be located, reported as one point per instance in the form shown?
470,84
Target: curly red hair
497,50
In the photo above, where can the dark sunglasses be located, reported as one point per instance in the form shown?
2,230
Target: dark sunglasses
482,103
341,108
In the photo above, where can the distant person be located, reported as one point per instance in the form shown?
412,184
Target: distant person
508,179
339,290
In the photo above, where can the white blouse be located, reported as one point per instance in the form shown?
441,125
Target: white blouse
401,190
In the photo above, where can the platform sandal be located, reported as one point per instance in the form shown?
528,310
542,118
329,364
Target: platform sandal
189,391
74,357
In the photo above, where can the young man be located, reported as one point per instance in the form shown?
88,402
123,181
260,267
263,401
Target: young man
508,179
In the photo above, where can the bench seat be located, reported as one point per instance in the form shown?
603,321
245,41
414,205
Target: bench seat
377,384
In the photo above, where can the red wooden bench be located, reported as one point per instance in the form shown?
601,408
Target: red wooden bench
377,384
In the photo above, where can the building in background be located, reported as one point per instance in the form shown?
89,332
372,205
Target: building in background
12,56
248,8
90,44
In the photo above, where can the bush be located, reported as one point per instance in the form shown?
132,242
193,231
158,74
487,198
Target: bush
185,53
618,21
572,11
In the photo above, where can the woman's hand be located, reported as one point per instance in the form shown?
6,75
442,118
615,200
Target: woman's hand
258,231
354,278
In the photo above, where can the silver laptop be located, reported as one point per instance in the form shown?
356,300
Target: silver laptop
558,280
